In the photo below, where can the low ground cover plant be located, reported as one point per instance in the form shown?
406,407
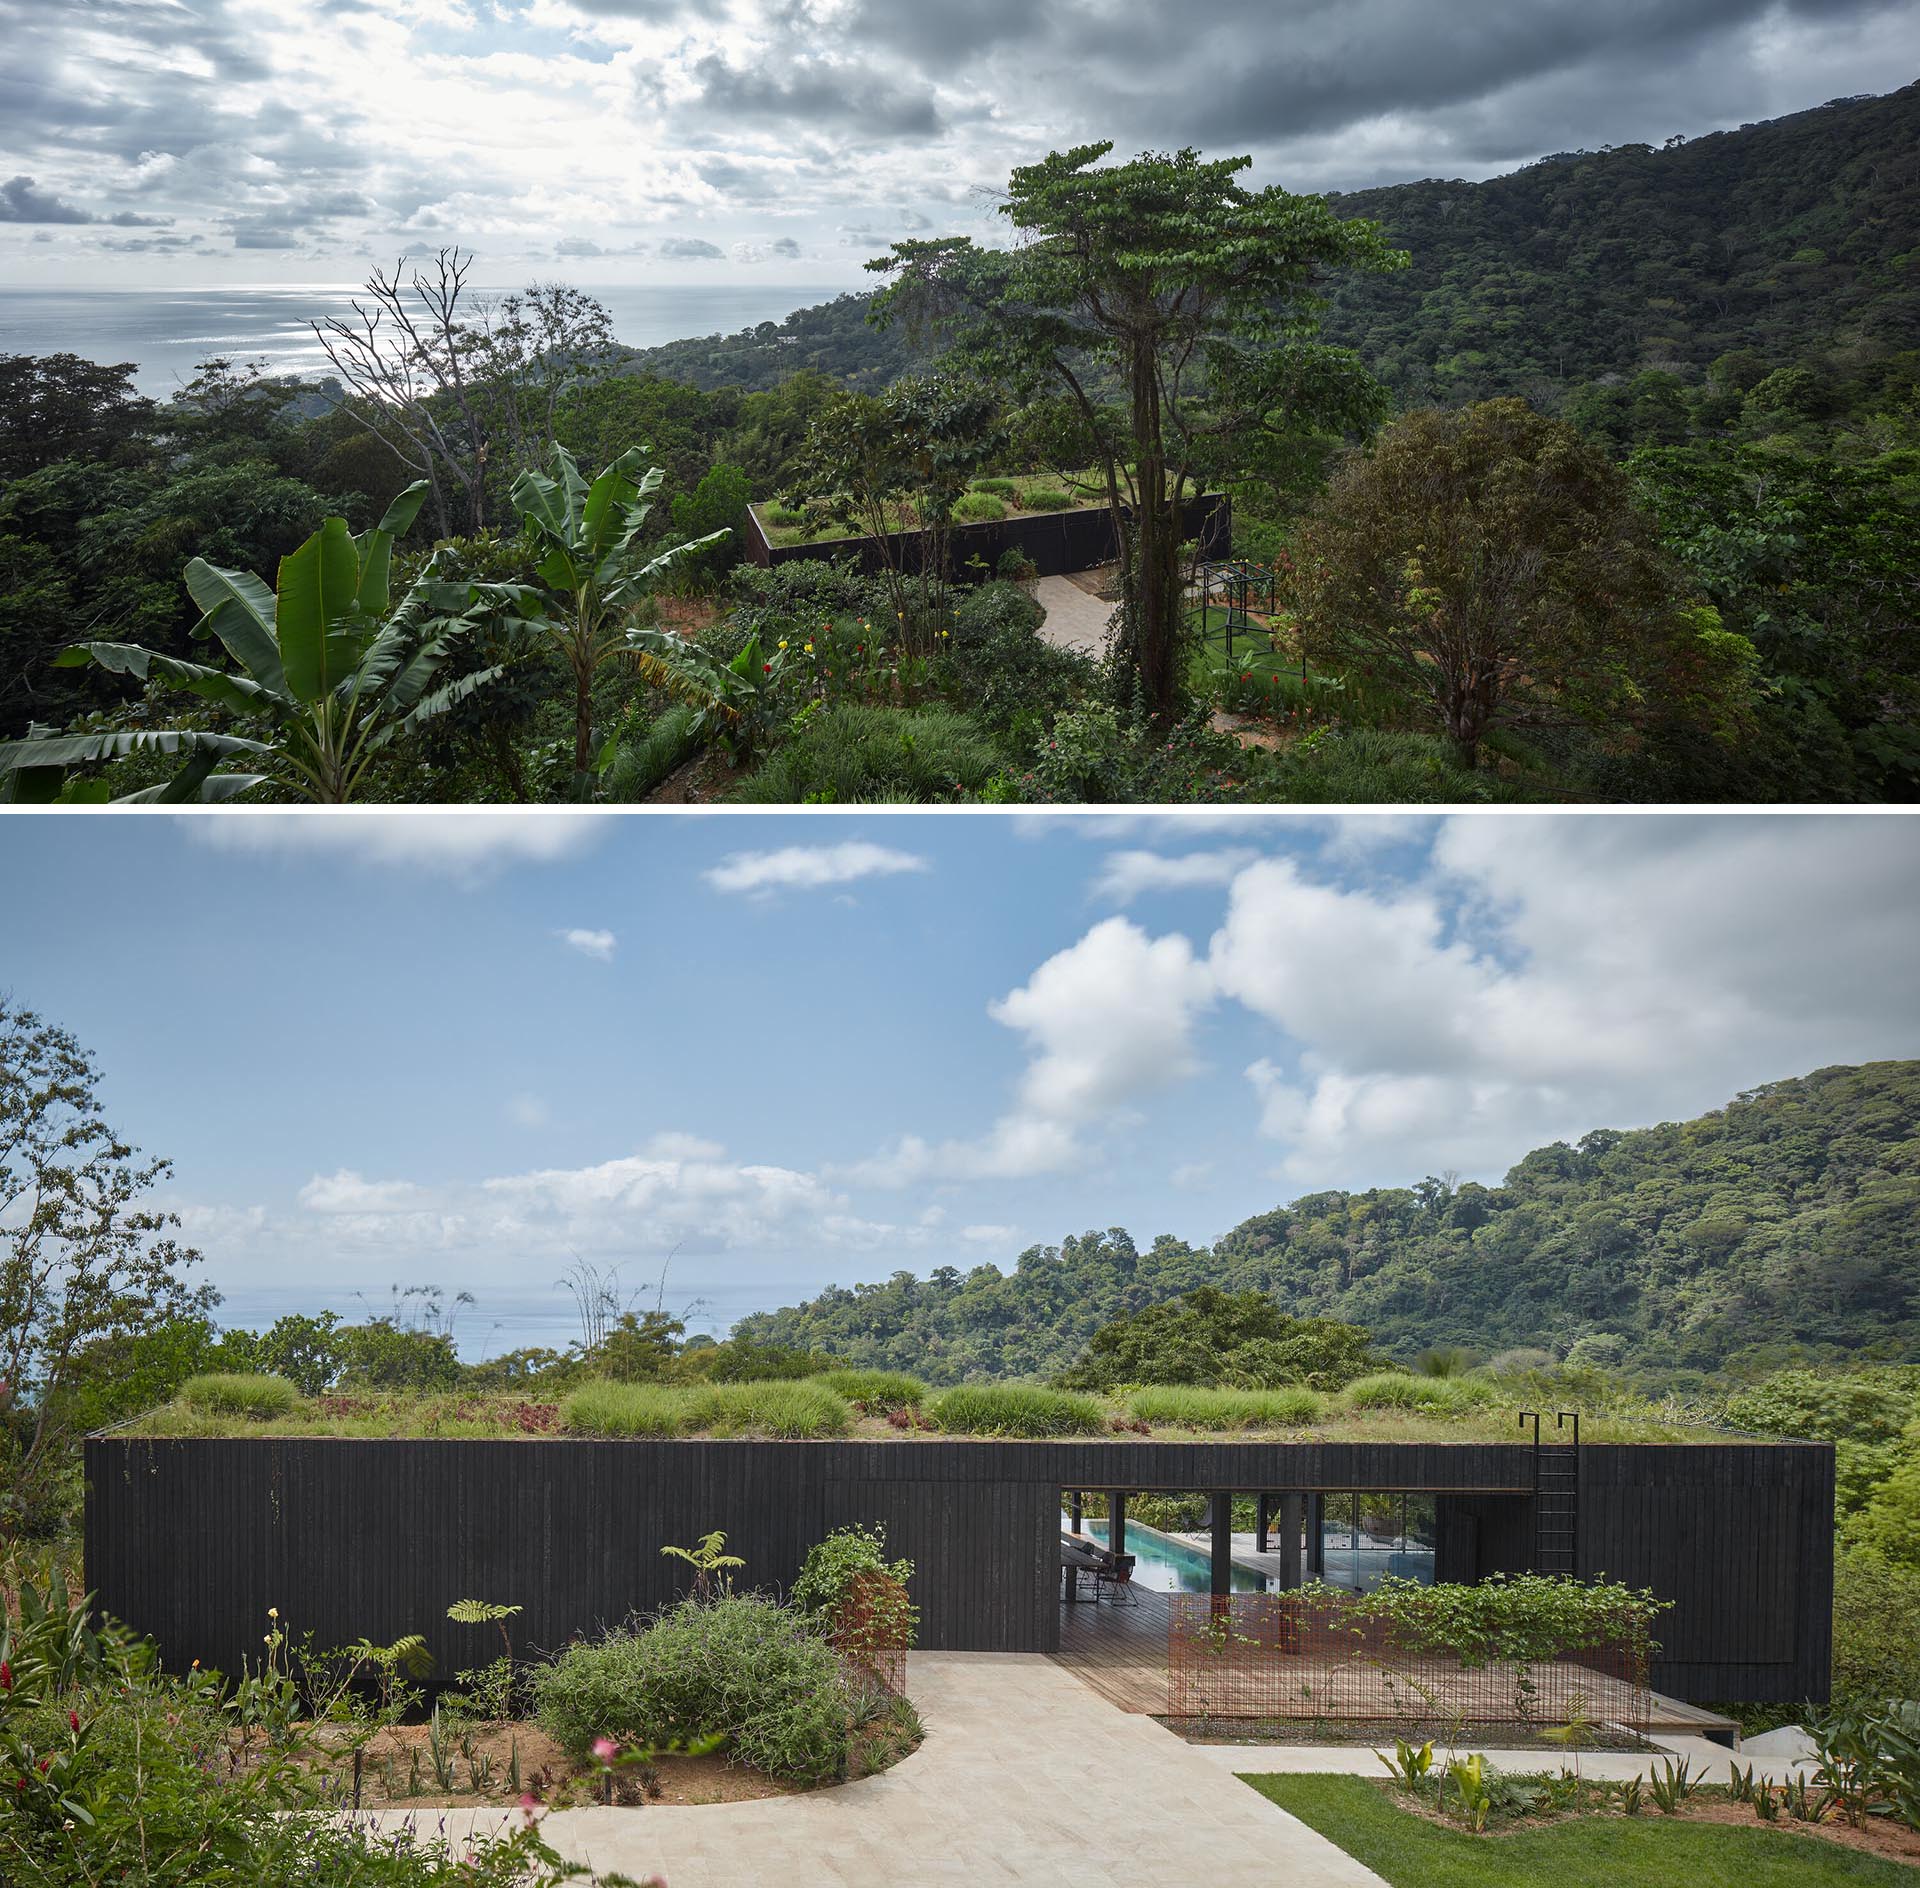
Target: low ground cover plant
856,752
1017,1410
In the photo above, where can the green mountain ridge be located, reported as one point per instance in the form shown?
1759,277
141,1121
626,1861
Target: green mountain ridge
1783,1227
1788,236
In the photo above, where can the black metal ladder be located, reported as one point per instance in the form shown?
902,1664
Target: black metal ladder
1556,1493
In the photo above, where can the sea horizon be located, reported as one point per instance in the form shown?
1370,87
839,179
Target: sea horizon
167,332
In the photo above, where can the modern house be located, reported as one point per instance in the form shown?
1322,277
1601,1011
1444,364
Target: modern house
192,1539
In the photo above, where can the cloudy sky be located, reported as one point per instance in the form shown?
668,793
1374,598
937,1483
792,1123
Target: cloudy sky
466,1050
260,141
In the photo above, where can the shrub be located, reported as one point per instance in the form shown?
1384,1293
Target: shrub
781,516
1445,1396
832,1564
1000,488
230,1393
639,765
783,1408
1200,1408
627,1409
741,1667
875,1390
850,752
1047,498
1015,566
1876,1653
978,508
1016,1409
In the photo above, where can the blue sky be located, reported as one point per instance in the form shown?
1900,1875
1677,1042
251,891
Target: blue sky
464,1049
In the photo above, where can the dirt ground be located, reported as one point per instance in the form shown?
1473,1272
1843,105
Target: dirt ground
709,775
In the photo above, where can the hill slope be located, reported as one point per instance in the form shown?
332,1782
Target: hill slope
1794,235
1788,236
1785,1224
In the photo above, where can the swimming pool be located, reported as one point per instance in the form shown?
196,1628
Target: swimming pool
1165,1565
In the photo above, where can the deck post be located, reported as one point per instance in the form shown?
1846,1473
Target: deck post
1116,1521
1078,1516
1316,1537
1292,1511
1220,1503
1260,1522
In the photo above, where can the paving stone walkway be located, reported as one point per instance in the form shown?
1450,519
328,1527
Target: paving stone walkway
1026,1776
1076,619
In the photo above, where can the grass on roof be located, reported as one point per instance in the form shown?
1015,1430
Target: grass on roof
1392,1407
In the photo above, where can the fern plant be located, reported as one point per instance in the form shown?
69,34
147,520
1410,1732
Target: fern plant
712,1565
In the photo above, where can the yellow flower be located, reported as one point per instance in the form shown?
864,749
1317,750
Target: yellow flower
783,642
273,1612
809,648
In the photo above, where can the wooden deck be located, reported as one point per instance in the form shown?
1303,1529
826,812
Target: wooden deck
1121,1652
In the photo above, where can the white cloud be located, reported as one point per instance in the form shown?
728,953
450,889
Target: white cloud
529,1111
1111,1018
1191,1176
990,1235
1551,975
1127,874
345,1191
1108,1021
599,945
459,845
807,868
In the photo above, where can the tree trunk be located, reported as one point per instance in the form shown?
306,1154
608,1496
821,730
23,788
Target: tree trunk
1157,548
582,726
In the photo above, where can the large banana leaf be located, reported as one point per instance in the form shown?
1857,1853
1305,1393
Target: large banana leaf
316,622
239,609
239,692
35,769
375,547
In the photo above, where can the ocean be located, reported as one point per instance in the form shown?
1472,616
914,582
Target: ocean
167,332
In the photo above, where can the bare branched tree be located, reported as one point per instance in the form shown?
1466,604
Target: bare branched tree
456,386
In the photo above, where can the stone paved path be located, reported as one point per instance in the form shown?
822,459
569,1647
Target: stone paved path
1076,620
1026,1777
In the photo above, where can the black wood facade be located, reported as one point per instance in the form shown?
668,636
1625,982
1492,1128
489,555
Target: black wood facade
1054,542
192,1540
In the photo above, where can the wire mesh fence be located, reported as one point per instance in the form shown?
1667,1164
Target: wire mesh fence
1300,1656
872,1628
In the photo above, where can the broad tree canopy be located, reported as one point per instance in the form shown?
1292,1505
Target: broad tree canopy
1170,311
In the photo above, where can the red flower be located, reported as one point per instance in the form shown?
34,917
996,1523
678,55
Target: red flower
73,1718
44,1762
6,1676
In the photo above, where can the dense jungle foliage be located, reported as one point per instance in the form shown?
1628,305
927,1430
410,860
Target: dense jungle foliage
1781,1228
1720,341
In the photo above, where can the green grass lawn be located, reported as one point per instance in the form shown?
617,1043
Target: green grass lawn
1649,1851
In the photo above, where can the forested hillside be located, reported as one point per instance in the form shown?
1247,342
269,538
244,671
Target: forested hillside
1785,237
1784,1226
830,338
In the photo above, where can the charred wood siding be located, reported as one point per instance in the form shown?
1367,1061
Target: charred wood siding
192,1540
1055,542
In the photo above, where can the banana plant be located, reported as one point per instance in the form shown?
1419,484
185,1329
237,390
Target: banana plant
593,571
35,770
325,660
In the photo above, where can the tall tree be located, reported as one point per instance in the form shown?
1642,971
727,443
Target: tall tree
1164,278
1490,564
83,1257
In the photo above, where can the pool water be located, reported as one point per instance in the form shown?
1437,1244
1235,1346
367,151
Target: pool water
1163,1565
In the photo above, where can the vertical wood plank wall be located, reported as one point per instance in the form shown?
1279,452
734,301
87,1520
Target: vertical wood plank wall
191,1540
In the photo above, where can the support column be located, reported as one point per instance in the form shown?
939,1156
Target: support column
1316,1540
1260,1522
1292,1518
1116,1521
1077,1509
1221,1502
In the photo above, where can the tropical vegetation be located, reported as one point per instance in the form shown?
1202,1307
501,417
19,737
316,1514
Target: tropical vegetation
1710,345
